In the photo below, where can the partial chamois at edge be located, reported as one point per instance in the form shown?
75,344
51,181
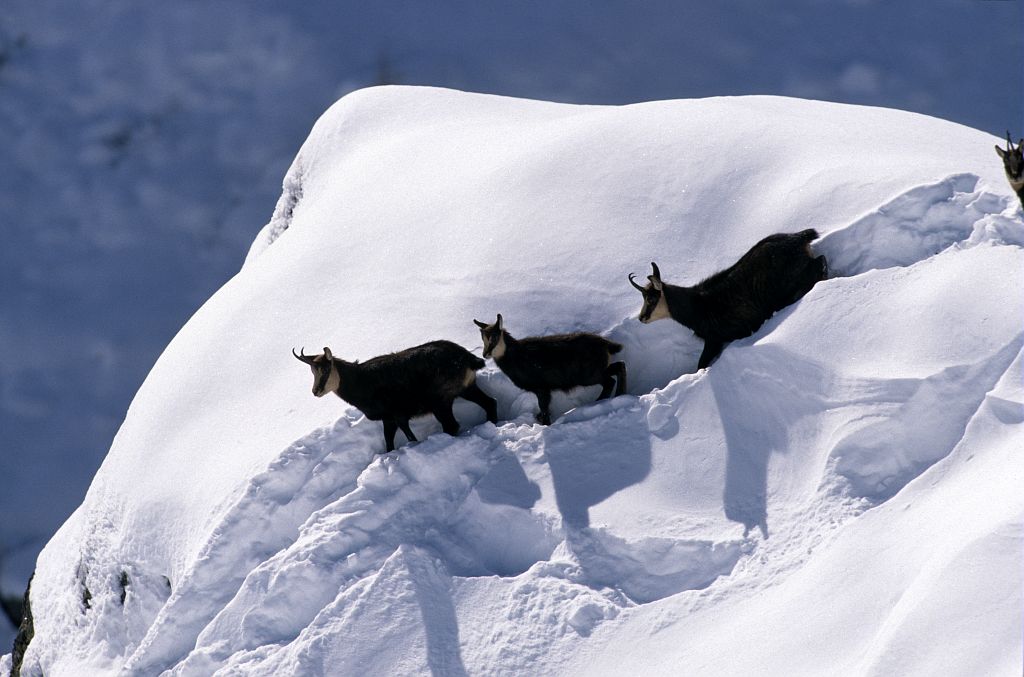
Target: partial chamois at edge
734,303
394,388
1013,164
541,364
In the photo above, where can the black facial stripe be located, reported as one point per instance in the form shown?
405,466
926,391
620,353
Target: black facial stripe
491,336
321,379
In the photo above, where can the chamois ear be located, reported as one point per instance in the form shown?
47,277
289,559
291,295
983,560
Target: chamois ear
482,325
656,277
499,324
327,353
1001,152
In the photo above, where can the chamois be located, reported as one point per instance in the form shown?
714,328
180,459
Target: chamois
735,302
394,388
540,364
1013,163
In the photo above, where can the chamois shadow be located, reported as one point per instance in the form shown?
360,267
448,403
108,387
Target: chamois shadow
757,408
593,456
433,595
506,483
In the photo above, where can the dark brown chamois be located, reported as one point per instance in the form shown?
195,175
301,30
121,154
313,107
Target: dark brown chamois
735,302
1013,163
394,388
541,364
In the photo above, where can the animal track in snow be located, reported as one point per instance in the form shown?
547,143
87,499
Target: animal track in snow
916,225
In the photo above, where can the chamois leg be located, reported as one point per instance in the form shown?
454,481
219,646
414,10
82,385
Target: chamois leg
616,370
544,400
614,377
443,413
712,349
483,400
390,428
403,423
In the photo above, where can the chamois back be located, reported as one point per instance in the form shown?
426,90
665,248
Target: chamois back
394,388
735,302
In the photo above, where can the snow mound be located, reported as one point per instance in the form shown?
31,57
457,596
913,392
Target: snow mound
861,447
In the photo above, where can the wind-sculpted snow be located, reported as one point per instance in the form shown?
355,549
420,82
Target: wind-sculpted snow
284,211
397,500
915,225
308,475
834,495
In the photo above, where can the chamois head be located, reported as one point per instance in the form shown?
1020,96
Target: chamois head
325,372
655,307
1013,161
493,337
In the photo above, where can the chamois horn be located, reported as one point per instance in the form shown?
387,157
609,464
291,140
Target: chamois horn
308,359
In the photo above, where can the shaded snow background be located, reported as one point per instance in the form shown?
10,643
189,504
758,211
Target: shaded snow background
141,146
862,448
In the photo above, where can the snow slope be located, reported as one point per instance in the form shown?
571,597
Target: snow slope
142,146
838,494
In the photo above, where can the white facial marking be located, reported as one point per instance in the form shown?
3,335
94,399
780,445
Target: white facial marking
333,381
660,311
499,348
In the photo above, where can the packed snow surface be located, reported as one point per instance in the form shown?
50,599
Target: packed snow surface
837,494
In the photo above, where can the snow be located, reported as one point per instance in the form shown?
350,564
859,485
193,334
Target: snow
837,494
146,143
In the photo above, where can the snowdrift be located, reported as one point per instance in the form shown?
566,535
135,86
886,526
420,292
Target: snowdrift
838,494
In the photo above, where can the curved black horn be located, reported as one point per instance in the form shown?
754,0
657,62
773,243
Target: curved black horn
308,359
482,325
634,283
